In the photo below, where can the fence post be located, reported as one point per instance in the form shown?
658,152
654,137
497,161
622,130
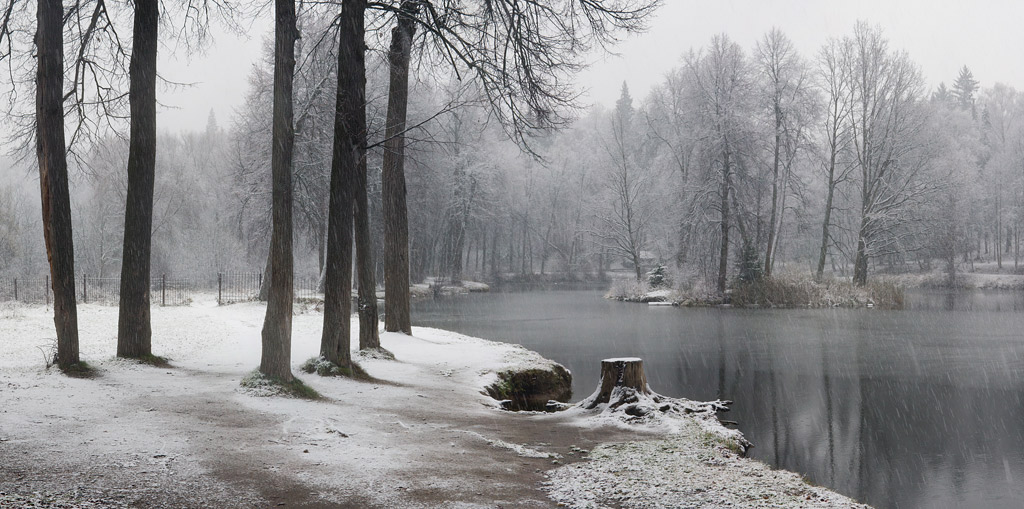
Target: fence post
163,289
259,283
46,290
218,289
85,288
15,289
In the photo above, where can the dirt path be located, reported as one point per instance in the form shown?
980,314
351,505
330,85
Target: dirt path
143,436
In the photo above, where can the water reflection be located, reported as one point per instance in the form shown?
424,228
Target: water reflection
914,408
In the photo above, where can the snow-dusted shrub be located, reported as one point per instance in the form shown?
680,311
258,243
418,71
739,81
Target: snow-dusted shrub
627,289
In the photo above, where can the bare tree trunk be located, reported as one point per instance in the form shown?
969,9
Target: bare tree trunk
134,331
494,258
53,177
997,244
723,257
780,223
349,146
775,194
481,268
368,335
365,273
264,291
277,326
636,265
396,214
860,261
827,221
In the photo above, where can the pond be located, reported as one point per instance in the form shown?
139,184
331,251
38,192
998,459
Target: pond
914,408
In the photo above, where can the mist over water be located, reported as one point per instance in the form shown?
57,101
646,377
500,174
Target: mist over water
914,408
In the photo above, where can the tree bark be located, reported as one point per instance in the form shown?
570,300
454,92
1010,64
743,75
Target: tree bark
51,152
134,332
775,193
860,261
349,146
827,221
264,292
396,215
368,319
277,326
624,372
723,257
368,336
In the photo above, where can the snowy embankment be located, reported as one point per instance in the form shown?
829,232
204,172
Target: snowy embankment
421,434
964,280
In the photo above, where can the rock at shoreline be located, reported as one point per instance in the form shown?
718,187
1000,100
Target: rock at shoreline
532,388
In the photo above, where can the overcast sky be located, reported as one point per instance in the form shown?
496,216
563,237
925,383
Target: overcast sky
940,35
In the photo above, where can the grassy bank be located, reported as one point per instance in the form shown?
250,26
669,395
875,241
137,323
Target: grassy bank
787,291
805,292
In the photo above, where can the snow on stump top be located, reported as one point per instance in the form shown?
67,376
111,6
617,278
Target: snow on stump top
625,396
617,373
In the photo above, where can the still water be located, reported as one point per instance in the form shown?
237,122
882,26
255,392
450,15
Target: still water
915,408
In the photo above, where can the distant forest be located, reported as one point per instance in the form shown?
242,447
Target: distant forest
836,163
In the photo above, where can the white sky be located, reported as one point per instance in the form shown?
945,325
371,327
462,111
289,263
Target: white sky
940,35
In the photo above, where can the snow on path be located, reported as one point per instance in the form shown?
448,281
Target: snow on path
423,436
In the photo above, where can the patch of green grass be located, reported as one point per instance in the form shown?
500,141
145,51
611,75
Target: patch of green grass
262,385
153,360
80,369
709,439
377,353
324,367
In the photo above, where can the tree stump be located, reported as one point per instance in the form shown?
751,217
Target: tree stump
626,372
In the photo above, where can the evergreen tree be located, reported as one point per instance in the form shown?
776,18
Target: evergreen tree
942,94
964,89
624,108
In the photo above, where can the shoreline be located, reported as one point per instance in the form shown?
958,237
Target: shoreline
424,436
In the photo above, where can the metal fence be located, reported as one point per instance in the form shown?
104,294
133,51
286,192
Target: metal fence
163,291
231,287
306,288
32,290
235,287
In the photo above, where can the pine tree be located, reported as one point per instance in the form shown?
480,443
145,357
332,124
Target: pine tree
624,108
942,94
964,89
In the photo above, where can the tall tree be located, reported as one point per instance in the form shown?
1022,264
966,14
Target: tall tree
833,66
1001,129
784,78
886,127
721,84
277,325
349,153
369,337
396,221
134,332
520,54
625,227
365,269
53,177
964,89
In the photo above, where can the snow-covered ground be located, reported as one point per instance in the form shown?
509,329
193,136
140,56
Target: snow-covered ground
421,435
